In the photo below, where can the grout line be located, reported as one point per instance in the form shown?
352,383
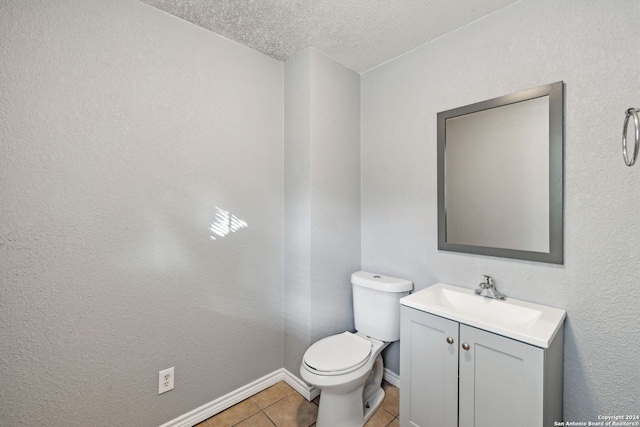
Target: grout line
293,390
272,422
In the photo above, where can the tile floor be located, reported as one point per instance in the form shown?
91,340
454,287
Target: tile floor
282,406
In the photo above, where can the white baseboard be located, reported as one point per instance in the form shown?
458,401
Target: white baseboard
392,378
228,400
216,406
307,391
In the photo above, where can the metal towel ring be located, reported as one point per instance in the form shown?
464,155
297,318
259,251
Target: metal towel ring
636,123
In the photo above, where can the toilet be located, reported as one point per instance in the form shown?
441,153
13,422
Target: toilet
347,367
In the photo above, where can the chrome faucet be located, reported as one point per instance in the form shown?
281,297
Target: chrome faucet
489,289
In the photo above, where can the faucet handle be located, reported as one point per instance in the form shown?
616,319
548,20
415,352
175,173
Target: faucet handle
491,291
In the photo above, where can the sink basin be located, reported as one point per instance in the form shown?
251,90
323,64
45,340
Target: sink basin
521,320
490,310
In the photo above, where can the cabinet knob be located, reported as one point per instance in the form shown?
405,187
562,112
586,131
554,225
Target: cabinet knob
449,340
465,346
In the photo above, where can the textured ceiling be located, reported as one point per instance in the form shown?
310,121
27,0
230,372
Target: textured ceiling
360,34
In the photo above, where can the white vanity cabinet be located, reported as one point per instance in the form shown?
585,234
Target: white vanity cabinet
456,375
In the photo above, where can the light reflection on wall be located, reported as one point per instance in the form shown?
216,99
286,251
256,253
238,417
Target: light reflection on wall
225,223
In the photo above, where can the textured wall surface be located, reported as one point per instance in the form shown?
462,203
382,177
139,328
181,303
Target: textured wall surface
322,200
335,193
592,46
297,209
121,130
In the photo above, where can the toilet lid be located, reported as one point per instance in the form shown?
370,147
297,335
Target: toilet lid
338,353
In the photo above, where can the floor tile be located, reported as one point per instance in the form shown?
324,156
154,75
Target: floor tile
380,419
391,402
234,415
394,423
257,420
272,394
292,411
282,406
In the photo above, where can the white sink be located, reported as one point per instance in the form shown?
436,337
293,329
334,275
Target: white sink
524,321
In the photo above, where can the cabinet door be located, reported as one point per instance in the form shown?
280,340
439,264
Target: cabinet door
501,381
428,370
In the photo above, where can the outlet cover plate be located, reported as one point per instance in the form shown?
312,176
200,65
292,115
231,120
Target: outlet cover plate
165,380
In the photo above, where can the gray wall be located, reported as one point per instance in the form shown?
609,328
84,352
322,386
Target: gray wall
121,130
593,46
297,210
322,200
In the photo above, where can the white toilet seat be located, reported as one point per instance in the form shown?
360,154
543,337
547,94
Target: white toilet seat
337,354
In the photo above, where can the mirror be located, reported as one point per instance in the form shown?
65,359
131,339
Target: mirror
500,166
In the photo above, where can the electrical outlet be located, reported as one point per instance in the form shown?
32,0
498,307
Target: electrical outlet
165,380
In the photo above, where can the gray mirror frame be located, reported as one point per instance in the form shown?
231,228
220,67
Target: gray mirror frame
555,92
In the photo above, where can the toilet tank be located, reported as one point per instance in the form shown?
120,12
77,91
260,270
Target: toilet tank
376,304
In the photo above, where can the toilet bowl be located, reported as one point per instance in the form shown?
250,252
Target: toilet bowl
348,367
342,380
